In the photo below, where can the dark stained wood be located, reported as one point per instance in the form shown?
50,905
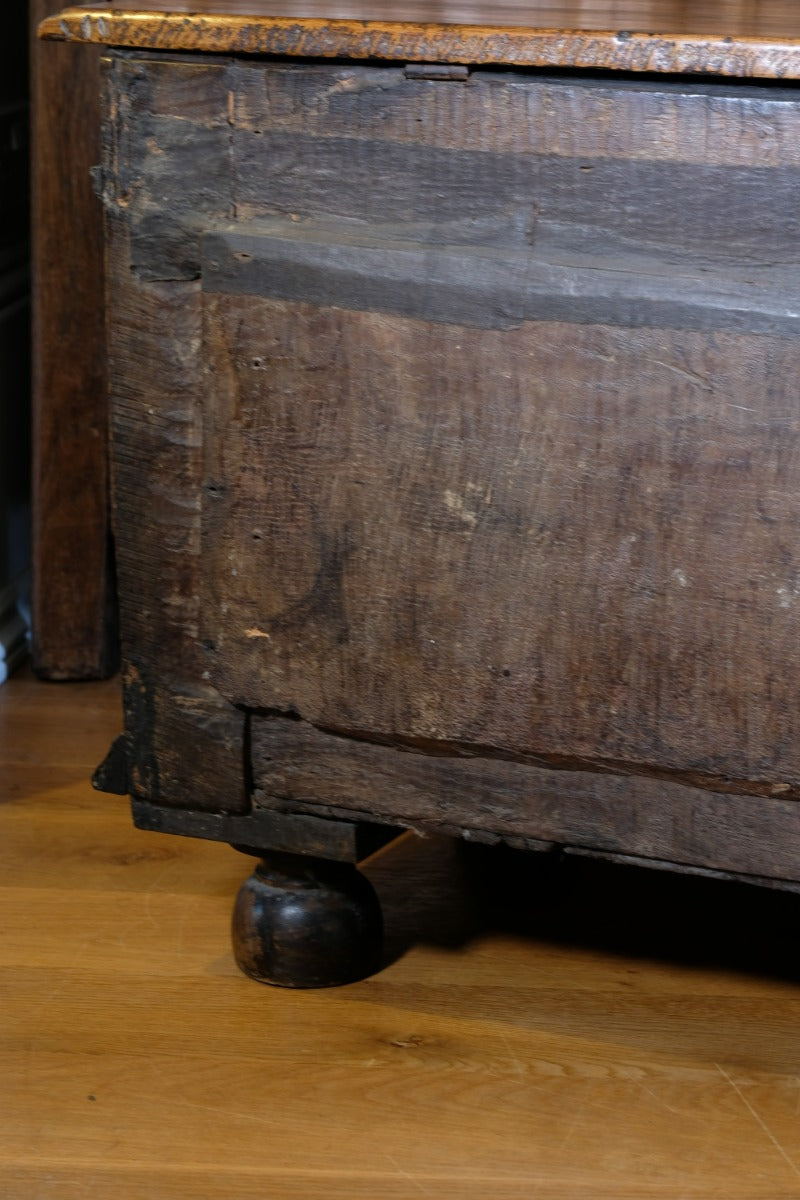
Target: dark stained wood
299,768
304,922
576,307
185,742
455,455
747,44
578,419
600,513
156,431
337,840
74,621
164,725
505,286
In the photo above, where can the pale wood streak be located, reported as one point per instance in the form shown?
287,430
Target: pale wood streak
741,42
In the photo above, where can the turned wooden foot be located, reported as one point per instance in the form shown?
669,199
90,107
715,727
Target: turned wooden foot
306,922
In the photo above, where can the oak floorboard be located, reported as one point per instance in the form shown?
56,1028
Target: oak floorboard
604,1033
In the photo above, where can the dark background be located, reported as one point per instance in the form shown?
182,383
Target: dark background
15,440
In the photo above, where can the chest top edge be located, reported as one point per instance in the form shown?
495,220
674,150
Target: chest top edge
749,52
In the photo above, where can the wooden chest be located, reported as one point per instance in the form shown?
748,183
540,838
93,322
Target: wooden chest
456,456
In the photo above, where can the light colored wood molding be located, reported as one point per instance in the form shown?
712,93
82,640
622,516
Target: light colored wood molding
753,57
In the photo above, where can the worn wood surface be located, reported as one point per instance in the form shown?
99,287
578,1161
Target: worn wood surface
297,768
156,449
74,620
184,742
740,39
619,1035
712,16
499,407
489,449
349,840
430,572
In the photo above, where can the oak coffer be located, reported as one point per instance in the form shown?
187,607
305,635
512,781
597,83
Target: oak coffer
455,447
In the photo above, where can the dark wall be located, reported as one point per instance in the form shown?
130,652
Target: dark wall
14,299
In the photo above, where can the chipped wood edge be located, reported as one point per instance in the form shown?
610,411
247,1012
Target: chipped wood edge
763,58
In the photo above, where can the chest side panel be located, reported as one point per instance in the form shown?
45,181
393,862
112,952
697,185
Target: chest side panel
494,441
560,540
502,440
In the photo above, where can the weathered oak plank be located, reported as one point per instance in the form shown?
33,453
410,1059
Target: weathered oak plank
500,287
555,540
300,769
457,419
185,744
587,425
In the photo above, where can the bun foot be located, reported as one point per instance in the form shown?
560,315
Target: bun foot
306,922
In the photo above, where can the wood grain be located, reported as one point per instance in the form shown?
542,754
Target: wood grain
623,1036
349,621
298,768
153,333
74,620
609,349
712,16
501,398
747,46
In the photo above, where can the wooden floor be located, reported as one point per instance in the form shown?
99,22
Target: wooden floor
611,1034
